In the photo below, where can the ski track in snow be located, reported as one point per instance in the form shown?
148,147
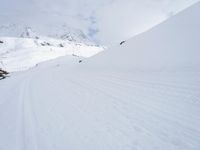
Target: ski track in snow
105,111
26,138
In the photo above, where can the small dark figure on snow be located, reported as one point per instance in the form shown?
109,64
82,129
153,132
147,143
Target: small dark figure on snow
80,61
1,42
122,42
61,45
3,74
42,44
48,44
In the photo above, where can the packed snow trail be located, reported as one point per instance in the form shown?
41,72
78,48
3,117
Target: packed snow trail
109,110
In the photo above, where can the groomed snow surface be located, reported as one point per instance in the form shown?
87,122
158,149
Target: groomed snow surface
142,95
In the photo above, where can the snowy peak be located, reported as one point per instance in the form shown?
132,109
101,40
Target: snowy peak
65,32
28,33
62,32
74,37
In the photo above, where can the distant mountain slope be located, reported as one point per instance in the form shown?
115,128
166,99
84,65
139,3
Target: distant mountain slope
174,43
62,32
17,54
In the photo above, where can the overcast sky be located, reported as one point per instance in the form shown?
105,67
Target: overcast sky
106,21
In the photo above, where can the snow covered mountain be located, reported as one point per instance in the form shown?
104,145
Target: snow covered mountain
62,32
170,45
25,48
143,94
17,54
26,43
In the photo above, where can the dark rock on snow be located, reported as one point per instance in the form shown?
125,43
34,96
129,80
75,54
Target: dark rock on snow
3,74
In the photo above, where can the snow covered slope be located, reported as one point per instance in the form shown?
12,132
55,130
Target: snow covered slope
55,107
23,47
172,44
107,103
17,54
